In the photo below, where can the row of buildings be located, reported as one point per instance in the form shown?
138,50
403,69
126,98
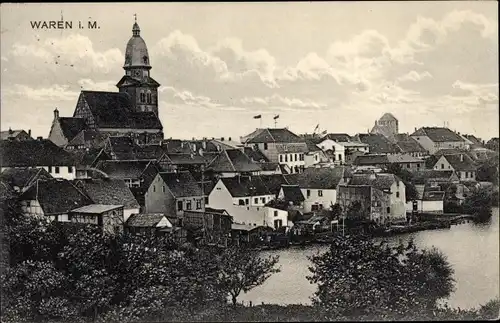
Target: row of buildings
110,165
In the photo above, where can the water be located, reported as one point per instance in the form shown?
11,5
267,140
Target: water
473,251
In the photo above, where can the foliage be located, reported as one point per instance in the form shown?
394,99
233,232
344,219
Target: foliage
362,280
243,269
431,161
354,212
479,205
488,171
336,211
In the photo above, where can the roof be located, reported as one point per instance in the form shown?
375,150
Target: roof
217,211
460,162
114,110
433,196
224,144
88,157
378,143
71,126
23,177
233,160
312,144
292,193
422,176
56,196
438,134
108,191
40,152
88,135
122,168
408,144
247,227
403,158
294,148
273,135
11,133
388,117
317,178
269,166
147,220
254,185
378,181
338,137
371,159
187,159
255,154
181,184
96,208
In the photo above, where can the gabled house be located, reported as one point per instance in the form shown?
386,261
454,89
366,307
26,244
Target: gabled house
436,138
339,147
314,155
318,186
20,179
53,198
429,200
233,162
86,160
461,164
64,130
270,168
17,135
389,184
173,193
39,153
110,192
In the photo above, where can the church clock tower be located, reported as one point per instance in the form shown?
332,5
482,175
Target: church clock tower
137,82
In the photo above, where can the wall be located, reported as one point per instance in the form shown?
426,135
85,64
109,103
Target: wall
398,208
329,197
128,212
63,171
442,164
112,221
293,160
270,217
157,201
34,209
260,202
467,175
56,135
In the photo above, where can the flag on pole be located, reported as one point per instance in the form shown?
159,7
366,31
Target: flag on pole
317,126
257,117
276,117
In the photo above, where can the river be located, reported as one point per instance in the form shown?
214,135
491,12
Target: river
473,251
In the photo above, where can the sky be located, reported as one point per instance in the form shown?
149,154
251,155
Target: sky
341,65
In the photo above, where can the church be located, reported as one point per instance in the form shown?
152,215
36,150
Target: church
132,111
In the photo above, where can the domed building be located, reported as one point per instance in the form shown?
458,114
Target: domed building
132,111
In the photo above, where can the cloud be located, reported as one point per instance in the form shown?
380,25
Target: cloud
88,84
414,76
277,100
53,93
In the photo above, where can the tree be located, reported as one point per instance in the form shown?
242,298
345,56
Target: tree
241,269
360,279
431,161
479,204
336,211
407,178
355,212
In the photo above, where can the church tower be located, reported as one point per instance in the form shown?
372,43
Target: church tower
137,82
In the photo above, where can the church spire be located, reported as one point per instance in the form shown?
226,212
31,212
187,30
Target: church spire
136,31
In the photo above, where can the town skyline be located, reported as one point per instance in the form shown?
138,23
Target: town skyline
432,64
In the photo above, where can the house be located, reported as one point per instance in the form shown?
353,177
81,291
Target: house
212,225
337,137
173,193
86,139
108,217
378,144
387,125
428,200
434,177
461,164
387,183
278,214
409,145
232,162
318,186
405,161
436,138
18,135
63,130
279,145
314,155
20,179
375,204
473,141
147,223
247,233
39,153
53,198
340,147
110,192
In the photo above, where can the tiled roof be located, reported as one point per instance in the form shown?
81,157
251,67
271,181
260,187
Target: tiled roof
88,157
96,208
223,144
460,162
379,181
378,143
337,137
233,160
433,196
23,177
122,169
6,192
31,153
187,159
273,182
388,117
403,158
317,178
255,154
269,166
270,135
145,220
292,193
88,135
56,196
408,144
108,191
295,148
438,134
217,211
371,159
312,144
122,147
257,185
114,110
71,126
421,177
13,133
181,184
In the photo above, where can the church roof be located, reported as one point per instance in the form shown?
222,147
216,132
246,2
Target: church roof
388,117
128,80
114,110
136,52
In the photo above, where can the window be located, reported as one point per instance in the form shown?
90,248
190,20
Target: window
142,97
241,202
163,189
256,200
265,146
308,193
57,169
275,213
154,188
70,169
295,157
206,199
320,193
281,158
286,158
188,205
50,169
407,165
247,201
442,166
28,203
263,200
179,205
466,174
418,165
388,210
397,194
314,207
198,204
278,224
145,59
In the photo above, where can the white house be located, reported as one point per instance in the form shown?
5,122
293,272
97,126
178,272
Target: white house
436,138
39,153
428,201
461,164
339,149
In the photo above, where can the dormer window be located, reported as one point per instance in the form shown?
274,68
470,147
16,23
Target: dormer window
145,59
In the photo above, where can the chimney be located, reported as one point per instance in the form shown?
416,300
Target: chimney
204,143
29,132
56,114
39,138
461,157
10,131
